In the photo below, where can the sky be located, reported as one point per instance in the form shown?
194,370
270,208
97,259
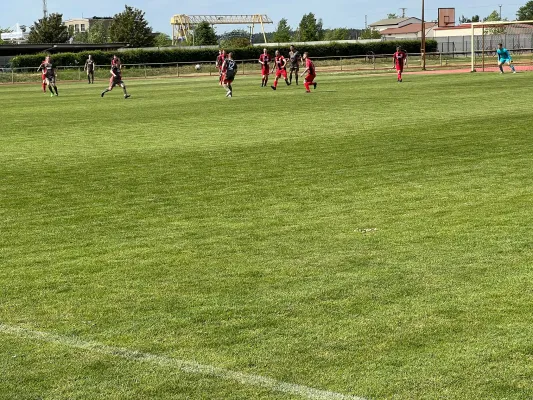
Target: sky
334,13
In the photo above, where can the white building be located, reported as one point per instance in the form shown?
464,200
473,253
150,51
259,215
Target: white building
393,23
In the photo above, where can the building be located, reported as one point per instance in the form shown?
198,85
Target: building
84,24
410,31
393,23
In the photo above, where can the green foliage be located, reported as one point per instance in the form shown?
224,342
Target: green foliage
209,55
283,32
130,26
204,35
81,37
525,13
493,16
49,30
98,33
370,34
392,16
337,34
464,20
237,38
310,30
162,40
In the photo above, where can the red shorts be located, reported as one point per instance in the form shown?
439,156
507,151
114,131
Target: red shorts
265,70
281,72
310,77
399,68
43,76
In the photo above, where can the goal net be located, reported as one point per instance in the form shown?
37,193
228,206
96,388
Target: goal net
515,36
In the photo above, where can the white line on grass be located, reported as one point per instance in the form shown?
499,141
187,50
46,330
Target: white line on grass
190,367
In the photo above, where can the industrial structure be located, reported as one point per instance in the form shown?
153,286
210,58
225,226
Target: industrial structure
183,25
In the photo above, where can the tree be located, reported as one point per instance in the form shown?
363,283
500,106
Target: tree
98,33
525,13
81,37
493,16
337,34
392,16
310,30
162,40
237,38
283,33
370,34
204,35
131,27
475,18
49,30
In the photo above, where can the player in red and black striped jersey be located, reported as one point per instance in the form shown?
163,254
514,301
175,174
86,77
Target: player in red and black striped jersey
264,60
280,65
218,63
43,72
400,59
116,77
310,71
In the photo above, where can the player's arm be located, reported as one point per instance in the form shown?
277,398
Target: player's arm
40,67
305,71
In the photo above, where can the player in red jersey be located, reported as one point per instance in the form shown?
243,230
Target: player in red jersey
229,70
116,77
264,60
219,62
280,65
399,59
43,72
310,71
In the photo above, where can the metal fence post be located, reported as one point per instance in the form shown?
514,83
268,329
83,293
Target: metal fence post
145,76
340,60
178,65
12,75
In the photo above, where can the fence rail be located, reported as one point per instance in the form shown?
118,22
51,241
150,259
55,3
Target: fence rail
369,63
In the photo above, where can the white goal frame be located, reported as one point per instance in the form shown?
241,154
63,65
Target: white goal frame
488,24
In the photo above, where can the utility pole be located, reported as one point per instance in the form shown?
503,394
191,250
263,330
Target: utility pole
403,11
45,9
366,26
499,5
423,43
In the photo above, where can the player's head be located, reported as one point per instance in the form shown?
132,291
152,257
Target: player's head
223,52
265,50
90,57
230,55
47,59
399,48
500,46
277,53
292,47
305,55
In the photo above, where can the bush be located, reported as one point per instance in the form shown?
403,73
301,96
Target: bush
175,55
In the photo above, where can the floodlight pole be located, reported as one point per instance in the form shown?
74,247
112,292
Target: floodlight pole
423,43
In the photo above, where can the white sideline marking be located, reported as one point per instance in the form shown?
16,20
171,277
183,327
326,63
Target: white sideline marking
190,367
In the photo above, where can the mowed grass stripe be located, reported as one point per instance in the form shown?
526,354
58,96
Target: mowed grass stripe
234,232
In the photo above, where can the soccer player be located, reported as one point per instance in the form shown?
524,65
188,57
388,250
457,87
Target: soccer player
399,59
229,70
50,76
220,60
310,71
295,60
116,77
43,72
89,68
264,60
280,65
503,58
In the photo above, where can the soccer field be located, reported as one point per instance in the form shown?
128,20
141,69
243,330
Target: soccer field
371,240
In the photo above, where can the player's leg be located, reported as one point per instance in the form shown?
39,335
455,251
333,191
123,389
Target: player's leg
263,78
126,95
296,73
290,75
49,85
55,86
44,83
275,86
307,82
110,87
510,63
267,75
500,66
284,73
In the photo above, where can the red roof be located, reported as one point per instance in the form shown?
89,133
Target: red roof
410,28
463,26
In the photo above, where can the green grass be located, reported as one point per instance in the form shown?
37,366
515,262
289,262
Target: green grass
371,238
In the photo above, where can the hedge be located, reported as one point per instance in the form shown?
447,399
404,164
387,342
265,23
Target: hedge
172,55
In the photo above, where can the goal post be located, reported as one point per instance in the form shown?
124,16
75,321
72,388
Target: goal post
516,36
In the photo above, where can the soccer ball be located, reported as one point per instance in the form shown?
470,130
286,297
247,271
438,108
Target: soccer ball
197,67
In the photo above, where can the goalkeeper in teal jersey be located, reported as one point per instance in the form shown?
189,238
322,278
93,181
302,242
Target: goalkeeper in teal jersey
504,58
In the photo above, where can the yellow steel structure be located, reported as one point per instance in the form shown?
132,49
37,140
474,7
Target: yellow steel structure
183,25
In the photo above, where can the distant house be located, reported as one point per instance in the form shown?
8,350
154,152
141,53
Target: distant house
394,23
84,24
410,31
